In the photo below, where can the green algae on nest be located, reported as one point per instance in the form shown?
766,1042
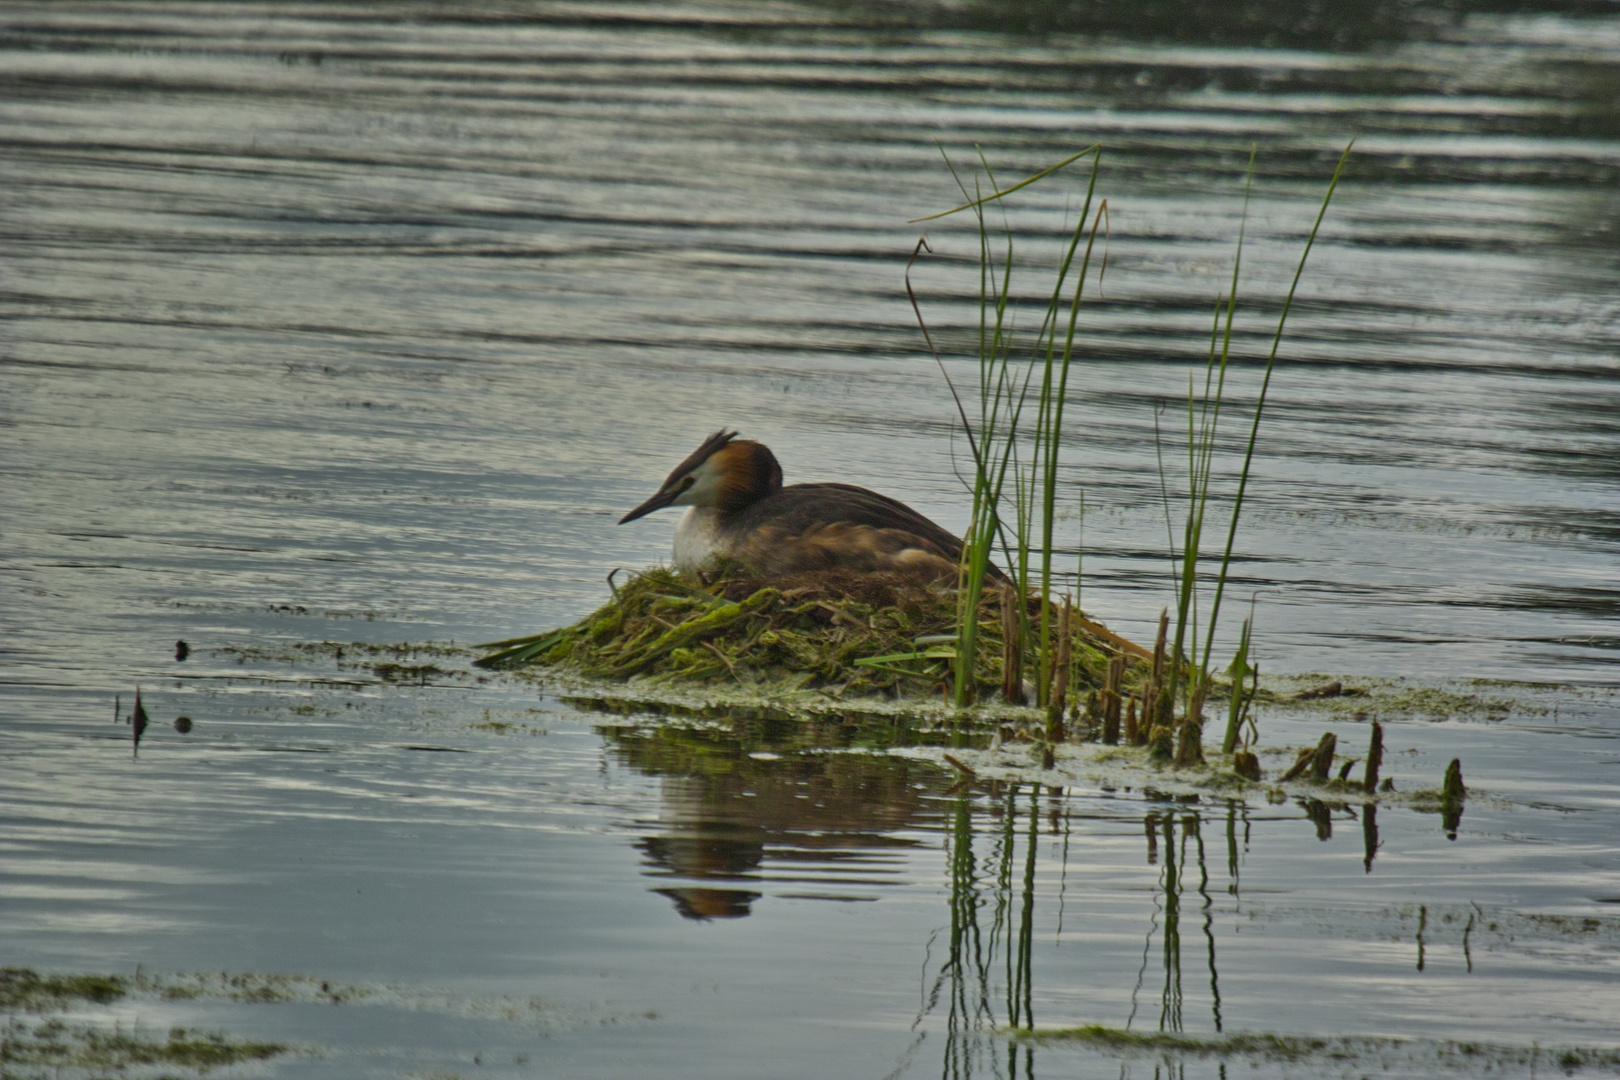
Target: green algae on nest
837,631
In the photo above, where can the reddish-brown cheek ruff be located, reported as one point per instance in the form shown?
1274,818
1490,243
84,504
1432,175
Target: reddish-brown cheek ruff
748,472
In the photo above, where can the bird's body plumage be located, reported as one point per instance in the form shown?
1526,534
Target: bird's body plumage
740,510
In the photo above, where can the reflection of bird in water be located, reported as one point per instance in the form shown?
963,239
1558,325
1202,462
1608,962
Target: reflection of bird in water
740,510
691,852
731,824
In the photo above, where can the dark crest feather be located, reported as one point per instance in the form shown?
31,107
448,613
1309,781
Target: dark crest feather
713,444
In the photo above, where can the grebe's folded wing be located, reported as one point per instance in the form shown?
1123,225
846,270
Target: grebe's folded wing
808,526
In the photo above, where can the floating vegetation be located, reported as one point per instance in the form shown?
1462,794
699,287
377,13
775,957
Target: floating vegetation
841,632
25,990
43,1048
405,663
1363,1051
49,1043
1405,697
345,653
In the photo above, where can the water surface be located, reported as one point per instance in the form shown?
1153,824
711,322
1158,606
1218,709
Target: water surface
365,323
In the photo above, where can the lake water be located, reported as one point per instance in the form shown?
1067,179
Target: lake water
363,324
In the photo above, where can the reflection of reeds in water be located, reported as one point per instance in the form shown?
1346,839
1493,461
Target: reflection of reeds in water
1168,906
967,977
986,980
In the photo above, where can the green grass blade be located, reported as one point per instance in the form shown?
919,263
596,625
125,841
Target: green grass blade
1265,383
1095,148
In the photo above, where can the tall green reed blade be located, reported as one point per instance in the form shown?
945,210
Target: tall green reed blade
1028,505
1260,405
1003,396
1203,419
1049,420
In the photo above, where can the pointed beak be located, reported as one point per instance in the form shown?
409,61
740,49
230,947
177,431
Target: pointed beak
657,502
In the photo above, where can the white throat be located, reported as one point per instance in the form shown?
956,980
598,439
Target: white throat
698,538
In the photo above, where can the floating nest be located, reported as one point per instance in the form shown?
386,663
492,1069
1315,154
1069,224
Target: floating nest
837,631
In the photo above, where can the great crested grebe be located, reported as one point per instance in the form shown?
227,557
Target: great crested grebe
740,510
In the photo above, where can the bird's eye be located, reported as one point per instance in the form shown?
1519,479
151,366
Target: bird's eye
688,482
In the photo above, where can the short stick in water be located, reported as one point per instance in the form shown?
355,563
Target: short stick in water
1375,758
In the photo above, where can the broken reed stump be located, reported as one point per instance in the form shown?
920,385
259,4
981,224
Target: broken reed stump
1375,758
1012,648
1161,743
1322,757
1246,765
1060,676
1301,763
1133,729
1094,714
138,721
1189,744
1452,794
1111,698
1190,732
1158,705
1318,759
1452,789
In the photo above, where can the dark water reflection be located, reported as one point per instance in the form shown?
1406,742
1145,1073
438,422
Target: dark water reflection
729,800
1060,906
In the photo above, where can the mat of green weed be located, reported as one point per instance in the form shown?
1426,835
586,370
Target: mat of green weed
844,632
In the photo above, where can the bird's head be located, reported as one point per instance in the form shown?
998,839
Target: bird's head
725,473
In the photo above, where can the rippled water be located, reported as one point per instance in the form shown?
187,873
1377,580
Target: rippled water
364,323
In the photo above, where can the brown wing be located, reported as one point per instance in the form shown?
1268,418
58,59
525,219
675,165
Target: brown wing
772,551
816,526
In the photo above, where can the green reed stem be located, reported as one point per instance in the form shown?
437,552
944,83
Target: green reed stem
1203,420
1003,396
1004,393
1260,405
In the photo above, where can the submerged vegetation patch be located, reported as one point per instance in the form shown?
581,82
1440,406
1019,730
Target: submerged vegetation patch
1364,1051
1404,697
44,1048
25,990
404,662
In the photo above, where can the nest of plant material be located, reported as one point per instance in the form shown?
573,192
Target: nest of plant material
837,631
